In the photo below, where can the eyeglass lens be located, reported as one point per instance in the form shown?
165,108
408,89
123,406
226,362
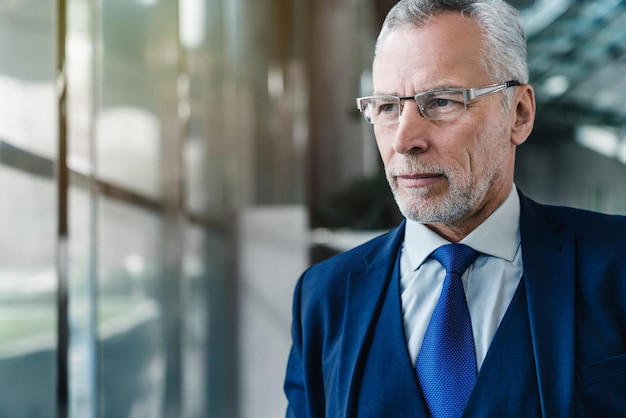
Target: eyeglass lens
436,106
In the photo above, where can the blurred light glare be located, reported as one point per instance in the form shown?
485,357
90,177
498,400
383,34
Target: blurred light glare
275,82
542,13
80,164
601,140
556,85
135,264
191,23
193,266
28,282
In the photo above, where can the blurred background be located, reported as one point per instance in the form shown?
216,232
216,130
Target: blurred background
168,168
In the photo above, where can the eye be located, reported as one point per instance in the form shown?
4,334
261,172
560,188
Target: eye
387,107
440,102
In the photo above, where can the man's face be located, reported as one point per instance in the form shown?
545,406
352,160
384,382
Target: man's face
454,172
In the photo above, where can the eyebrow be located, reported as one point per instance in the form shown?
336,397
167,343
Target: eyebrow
435,88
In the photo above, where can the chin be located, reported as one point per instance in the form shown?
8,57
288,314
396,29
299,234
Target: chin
430,210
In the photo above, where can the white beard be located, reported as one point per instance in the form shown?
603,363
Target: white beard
465,192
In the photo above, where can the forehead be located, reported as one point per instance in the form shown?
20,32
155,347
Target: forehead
447,51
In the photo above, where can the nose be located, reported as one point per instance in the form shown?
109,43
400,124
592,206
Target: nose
411,134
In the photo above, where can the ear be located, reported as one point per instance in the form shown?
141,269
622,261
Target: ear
523,114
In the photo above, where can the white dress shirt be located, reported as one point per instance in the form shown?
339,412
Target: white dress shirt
489,282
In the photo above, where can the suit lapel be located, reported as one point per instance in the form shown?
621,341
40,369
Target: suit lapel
364,297
548,257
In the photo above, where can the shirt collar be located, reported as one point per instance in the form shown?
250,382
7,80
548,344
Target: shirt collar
497,236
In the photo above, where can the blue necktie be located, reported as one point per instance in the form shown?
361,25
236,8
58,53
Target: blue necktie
446,364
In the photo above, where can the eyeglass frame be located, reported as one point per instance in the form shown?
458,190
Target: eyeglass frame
469,94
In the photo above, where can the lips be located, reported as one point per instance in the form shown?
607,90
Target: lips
418,180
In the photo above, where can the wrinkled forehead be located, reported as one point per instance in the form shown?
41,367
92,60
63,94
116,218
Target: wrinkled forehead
449,46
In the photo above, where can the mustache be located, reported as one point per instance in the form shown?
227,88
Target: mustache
413,165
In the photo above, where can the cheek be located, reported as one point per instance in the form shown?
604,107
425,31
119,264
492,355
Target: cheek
477,157
489,150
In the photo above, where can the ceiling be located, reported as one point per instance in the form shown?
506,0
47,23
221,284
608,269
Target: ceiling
577,58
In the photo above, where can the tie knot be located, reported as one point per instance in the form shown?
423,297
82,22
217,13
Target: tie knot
455,258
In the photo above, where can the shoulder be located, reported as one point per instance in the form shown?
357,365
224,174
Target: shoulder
598,237
325,283
337,268
564,219
587,223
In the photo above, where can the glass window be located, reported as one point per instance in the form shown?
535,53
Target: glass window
28,278
131,311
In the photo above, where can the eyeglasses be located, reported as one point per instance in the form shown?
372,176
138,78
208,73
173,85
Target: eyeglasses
441,105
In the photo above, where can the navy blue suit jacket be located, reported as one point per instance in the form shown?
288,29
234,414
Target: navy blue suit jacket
561,354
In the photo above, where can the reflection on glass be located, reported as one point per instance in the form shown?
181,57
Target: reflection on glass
82,359
130,330
20,101
195,314
127,141
135,66
28,280
27,295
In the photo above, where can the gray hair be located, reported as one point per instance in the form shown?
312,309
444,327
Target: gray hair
504,54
